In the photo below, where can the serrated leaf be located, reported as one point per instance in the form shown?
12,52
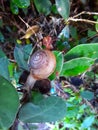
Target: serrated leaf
87,95
87,122
76,66
43,6
63,7
46,110
21,55
84,50
22,3
9,103
59,64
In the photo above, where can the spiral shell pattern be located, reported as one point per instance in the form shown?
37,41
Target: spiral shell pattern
38,59
42,63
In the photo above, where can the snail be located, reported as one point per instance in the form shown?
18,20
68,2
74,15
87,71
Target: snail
42,64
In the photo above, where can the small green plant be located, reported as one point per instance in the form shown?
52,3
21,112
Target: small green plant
69,104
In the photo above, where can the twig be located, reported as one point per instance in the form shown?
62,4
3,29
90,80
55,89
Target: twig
75,19
27,25
11,60
82,20
85,12
92,37
23,31
15,24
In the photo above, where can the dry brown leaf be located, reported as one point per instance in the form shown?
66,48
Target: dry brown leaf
30,31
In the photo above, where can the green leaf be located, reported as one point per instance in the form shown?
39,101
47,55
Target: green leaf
54,9
87,95
14,7
22,3
63,7
2,54
1,37
76,66
87,122
71,111
43,6
9,103
96,26
4,65
21,55
59,64
46,110
36,97
84,50
11,67
91,33
73,32
1,23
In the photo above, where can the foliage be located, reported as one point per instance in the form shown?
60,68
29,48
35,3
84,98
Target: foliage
42,6
74,81
8,107
44,110
77,116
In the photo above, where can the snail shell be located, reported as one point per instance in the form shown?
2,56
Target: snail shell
42,64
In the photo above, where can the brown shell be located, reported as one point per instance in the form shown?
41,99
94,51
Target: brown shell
42,64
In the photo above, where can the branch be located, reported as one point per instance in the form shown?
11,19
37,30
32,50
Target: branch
82,20
75,19
85,12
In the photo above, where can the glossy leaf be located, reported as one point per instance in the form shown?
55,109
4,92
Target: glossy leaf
4,65
21,55
59,64
54,9
76,66
64,32
11,67
45,110
83,50
22,3
87,122
43,6
63,7
9,103
87,95
14,7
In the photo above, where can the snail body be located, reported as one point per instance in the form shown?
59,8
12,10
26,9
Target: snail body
42,64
